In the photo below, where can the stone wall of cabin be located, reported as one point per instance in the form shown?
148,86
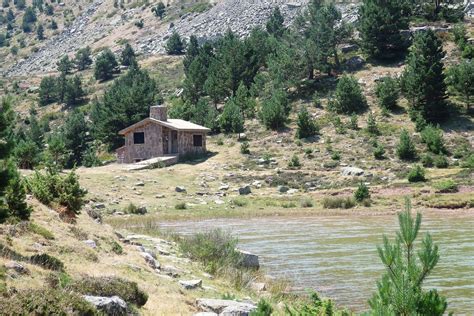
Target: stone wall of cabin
186,144
153,146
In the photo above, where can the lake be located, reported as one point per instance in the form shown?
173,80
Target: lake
337,256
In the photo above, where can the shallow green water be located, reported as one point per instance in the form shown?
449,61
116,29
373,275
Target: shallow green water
337,255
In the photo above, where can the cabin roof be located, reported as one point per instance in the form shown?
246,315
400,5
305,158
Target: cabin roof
175,124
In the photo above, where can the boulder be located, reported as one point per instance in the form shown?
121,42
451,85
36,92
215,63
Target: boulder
180,189
249,260
191,284
351,171
150,260
109,305
90,243
140,184
283,189
13,265
142,210
225,307
355,63
245,190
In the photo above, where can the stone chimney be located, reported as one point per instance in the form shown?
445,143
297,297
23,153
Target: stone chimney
159,112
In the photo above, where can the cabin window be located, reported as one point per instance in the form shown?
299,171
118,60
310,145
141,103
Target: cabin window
139,138
197,140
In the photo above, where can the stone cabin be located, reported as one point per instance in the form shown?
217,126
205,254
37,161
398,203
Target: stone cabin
158,136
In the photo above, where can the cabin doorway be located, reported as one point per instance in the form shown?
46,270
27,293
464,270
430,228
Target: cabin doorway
174,142
166,150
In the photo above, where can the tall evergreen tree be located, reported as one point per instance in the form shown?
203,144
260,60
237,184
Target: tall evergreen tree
232,119
275,23
400,290
423,78
76,137
47,90
461,81
192,51
380,26
83,58
124,103
128,56
175,45
105,65
65,65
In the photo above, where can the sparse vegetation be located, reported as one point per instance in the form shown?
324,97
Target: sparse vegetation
338,202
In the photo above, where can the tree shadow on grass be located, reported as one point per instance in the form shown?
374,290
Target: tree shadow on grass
195,159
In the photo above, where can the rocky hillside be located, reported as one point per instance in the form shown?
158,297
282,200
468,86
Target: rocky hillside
101,25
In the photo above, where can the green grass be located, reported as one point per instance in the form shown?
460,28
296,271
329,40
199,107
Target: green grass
40,230
338,202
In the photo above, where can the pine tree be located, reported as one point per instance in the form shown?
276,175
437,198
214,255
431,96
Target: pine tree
372,127
159,10
76,136
65,65
387,92
244,101
275,24
47,90
40,32
16,196
175,45
83,58
380,26
460,80
400,290
406,149
128,56
274,110
105,65
192,51
348,97
232,119
306,125
74,92
423,79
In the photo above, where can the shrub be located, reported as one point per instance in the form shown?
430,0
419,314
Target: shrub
294,162
348,96
50,187
427,160
316,100
433,138
214,249
362,193
379,152
274,111
47,261
338,125
263,309
353,124
46,302
306,125
111,286
468,162
180,206
306,203
338,202
387,92
245,148
446,186
336,156
116,248
174,45
441,162
239,202
406,149
417,174
372,127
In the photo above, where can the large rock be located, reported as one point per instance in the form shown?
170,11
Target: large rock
180,189
245,190
225,307
13,265
249,260
190,284
150,260
113,306
351,171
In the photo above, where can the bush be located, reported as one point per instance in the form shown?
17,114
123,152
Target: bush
116,248
239,202
427,161
306,203
180,206
387,92
433,138
362,193
306,125
51,187
174,45
348,96
111,286
406,149
294,162
379,152
48,262
468,162
440,162
338,202
245,148
274,111
372,127
417,174
446,186
353,122
214,249
263,309
46,302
